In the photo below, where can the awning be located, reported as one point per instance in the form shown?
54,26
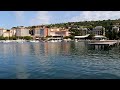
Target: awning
82,36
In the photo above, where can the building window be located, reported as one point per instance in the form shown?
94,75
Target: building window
42,32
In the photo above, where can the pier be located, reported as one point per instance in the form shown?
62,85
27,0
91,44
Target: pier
104,44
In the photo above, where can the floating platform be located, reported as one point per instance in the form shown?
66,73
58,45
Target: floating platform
104,44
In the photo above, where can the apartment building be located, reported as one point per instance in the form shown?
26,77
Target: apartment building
22,31
5,32
2,30
58,32
83,31
13,29
39,31
99,30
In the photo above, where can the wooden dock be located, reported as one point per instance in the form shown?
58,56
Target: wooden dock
104,43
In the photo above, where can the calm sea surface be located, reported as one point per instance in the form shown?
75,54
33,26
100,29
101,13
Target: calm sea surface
57,60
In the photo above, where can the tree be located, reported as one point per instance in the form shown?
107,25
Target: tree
75,32
48,36
27,37
13,38
119,34
71,37
91,36
112,34
66,37
5,38
1,38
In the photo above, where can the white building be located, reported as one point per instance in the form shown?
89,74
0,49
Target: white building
5,32
99,30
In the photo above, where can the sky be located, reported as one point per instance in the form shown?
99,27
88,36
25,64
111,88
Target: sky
9,19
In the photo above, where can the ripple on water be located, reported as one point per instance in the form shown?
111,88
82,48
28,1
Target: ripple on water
58,61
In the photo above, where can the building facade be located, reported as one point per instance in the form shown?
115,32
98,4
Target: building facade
22,31
5,32
8,33
58,32
36,31
13,29
84,31
99,30
43,32
39,31
2,31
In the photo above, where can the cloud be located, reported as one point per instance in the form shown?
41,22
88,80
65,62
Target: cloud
19,16
47,17
96,15
41,17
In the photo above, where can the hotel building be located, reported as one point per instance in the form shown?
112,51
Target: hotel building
22,31
99,30
58,32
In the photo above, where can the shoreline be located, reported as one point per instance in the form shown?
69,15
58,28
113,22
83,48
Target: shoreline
62,40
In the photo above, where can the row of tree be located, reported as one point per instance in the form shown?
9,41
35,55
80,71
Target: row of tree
91,24
112,35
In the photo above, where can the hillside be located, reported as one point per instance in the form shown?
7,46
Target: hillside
89,24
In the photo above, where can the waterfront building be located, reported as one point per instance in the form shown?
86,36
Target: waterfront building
99,30
2,30
58,32
5,32
39,31
44,32
22,31
13,29
36,31
83,31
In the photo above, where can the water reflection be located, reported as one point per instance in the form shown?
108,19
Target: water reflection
58,60
21,70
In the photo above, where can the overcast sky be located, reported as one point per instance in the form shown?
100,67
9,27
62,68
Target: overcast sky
10,19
